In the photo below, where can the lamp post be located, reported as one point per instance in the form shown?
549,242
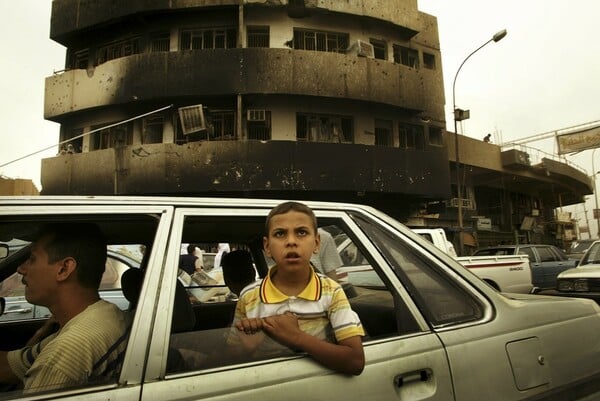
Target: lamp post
459,115
596,211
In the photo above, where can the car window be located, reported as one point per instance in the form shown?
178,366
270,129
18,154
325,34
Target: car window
546,254
207,343
494,252
592,256
130,237
529,252
442,301
559,253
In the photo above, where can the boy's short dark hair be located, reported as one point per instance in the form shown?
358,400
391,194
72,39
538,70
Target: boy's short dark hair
84,242
288,206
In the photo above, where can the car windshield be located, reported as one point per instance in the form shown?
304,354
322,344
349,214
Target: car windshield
580,246
592,255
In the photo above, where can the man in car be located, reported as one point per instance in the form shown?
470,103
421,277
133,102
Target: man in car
63,273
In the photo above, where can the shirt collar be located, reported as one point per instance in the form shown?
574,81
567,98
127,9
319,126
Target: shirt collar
269,294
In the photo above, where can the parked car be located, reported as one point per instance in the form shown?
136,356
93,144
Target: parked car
434,330
545,261
584,280
505,273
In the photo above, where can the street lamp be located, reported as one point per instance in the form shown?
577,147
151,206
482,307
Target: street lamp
596,211
459,115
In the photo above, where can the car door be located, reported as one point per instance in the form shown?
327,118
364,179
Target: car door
127,224
404,357
548,265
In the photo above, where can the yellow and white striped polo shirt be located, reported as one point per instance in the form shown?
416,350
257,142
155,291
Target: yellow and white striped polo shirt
322,308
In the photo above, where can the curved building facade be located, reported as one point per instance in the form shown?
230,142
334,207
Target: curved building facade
337,100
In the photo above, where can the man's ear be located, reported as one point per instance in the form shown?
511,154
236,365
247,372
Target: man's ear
66,269
266,246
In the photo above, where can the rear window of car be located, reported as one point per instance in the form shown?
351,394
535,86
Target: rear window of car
494,251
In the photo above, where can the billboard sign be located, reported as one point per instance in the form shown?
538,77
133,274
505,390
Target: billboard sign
577,141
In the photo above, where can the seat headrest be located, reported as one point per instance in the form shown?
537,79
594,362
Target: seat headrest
131,285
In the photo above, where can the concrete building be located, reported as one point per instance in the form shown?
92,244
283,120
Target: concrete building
321,99
17,187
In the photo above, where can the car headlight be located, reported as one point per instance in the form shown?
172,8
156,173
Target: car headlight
565,285
578,285
581,285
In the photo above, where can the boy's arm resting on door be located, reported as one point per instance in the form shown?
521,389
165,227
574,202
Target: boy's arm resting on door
347,356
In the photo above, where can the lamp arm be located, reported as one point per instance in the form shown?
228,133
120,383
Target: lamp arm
459,68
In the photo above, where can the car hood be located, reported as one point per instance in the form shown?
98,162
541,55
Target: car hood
585,271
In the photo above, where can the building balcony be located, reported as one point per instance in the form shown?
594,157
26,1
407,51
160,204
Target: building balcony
193,74
72,16
262,168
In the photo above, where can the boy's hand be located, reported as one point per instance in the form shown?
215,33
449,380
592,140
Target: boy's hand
251,335
284,329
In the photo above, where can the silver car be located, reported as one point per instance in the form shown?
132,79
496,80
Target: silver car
584,280
434,330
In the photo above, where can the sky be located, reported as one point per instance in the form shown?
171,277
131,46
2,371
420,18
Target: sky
542,77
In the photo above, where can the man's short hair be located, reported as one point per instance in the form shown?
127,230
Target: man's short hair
191,248
285,207
238,268
84,242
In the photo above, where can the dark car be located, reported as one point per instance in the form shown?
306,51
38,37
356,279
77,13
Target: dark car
546,261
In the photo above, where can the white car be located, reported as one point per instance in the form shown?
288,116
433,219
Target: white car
582,281
434,330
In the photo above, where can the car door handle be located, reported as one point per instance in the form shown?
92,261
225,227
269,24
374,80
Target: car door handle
22,310
421,375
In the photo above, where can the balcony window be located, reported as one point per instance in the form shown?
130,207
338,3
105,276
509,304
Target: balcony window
258,36
152,130
379,48
117,49
435,136
160,42
406,56
429,61
320,41
223,126
113,137
411,136
259,128
210,38
81,59
384,133
324,128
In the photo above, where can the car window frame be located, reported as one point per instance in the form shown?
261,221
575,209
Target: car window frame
159,344
132,372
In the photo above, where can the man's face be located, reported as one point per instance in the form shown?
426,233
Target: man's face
39,275
291,240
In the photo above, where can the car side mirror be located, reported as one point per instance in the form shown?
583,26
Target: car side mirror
3,251
2,305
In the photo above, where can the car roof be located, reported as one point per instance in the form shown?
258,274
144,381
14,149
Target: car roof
139,226
166,201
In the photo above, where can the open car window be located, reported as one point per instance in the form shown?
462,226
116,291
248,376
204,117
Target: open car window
206,340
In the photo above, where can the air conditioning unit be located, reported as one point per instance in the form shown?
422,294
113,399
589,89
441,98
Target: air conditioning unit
362,49
192,119
256,115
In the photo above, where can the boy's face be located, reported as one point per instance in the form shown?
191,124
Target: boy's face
291,240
